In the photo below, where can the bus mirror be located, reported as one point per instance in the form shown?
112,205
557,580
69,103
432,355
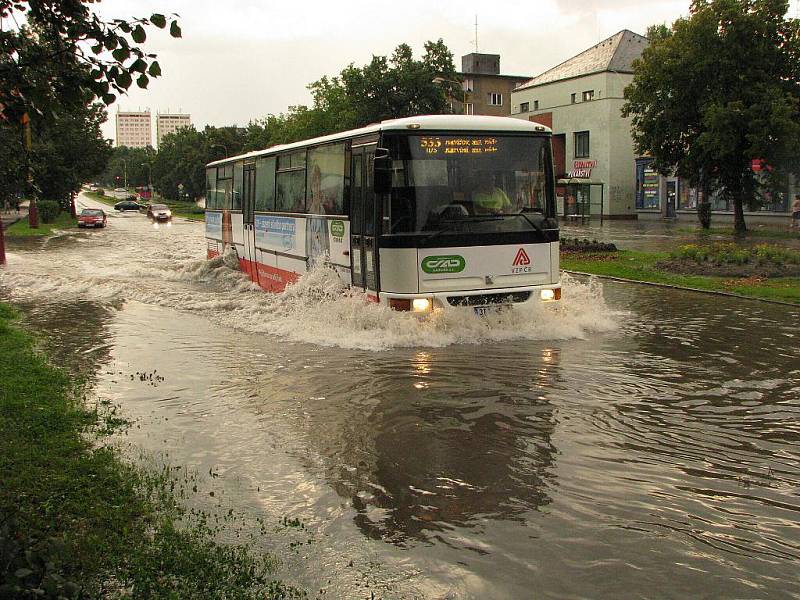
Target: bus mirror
382,180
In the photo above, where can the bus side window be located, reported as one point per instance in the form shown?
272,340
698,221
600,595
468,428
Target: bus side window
356,190
369,197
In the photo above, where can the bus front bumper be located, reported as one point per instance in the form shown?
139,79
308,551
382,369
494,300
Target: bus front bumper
517,298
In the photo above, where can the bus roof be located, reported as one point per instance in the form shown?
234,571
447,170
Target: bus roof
419,123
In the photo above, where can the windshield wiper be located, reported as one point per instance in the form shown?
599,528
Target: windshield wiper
469,219
533,223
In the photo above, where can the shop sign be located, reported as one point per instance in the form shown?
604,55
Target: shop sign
582,169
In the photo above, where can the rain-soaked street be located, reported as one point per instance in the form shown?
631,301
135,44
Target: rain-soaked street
631,442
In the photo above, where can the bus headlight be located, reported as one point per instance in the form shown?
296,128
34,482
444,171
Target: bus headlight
547,295
421,305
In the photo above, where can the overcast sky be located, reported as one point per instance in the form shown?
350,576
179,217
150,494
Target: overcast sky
243,59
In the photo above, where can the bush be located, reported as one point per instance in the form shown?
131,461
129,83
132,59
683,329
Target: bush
49,210
731,254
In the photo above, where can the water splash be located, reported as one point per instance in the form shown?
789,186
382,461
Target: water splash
318,309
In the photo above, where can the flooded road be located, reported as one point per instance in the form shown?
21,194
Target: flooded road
634,442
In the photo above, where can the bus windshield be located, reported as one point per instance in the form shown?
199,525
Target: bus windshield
468,183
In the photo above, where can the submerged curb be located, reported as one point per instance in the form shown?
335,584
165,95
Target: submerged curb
680,287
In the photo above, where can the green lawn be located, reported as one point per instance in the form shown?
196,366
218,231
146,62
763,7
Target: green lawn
640,266
21,229
78,521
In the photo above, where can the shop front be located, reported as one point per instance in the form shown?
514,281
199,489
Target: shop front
669,197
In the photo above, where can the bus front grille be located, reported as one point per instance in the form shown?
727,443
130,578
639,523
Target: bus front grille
487,299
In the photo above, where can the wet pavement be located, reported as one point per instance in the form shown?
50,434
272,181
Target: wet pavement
665,235
633,442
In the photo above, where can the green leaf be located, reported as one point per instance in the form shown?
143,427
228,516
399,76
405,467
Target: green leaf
121,54
97,48
142,81
22,573
108,99
139,35
124,80
155,69
174,29
158,20
139,65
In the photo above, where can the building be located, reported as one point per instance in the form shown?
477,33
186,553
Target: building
670,197
581,100
169,123
486,91
133,129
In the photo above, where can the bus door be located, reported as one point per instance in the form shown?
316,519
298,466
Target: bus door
248,215
363,246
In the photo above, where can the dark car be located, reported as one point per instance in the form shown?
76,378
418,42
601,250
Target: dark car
159,212
92,217
127,205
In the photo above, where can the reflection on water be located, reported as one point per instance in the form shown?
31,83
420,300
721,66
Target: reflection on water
657,458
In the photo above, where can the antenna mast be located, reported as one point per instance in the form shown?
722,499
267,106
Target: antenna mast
476,33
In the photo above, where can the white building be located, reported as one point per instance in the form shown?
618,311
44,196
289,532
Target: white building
169,123
134,129
581,100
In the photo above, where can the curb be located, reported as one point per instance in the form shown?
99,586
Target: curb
680,287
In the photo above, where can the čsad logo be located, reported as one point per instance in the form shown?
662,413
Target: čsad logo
452,263
337,229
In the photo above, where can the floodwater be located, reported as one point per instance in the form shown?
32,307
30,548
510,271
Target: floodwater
632,442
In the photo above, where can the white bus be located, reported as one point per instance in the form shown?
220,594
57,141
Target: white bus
420,213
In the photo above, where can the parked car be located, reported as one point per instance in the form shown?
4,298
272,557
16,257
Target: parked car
120,194
159,212
92,217
127,205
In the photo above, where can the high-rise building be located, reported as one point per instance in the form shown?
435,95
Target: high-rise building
133,129
170,123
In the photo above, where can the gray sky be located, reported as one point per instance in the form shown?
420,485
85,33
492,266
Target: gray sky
243,59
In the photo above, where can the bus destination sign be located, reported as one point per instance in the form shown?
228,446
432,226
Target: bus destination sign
458,145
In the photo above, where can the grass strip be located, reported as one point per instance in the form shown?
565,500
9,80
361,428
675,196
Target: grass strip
21,229
76,521
640,266
753,232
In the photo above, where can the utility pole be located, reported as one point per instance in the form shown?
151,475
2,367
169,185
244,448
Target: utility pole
2,244
33,211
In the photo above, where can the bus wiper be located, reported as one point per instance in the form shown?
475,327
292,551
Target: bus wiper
533,223
470,219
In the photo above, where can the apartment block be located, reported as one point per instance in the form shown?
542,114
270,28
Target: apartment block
167,123
134,129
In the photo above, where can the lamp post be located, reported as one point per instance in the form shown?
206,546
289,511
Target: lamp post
125,174
440,80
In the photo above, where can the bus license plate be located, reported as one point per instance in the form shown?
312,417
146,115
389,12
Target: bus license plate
483,311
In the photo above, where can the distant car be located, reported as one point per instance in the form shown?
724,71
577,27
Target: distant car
92,217
120,194
159,212
127,205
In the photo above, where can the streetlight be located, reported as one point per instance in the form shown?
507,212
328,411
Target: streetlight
440,80
125,173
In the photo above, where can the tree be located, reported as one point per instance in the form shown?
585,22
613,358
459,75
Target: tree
129,164
66,33
720,92
68,150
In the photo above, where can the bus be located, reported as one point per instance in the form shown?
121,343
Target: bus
420,213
